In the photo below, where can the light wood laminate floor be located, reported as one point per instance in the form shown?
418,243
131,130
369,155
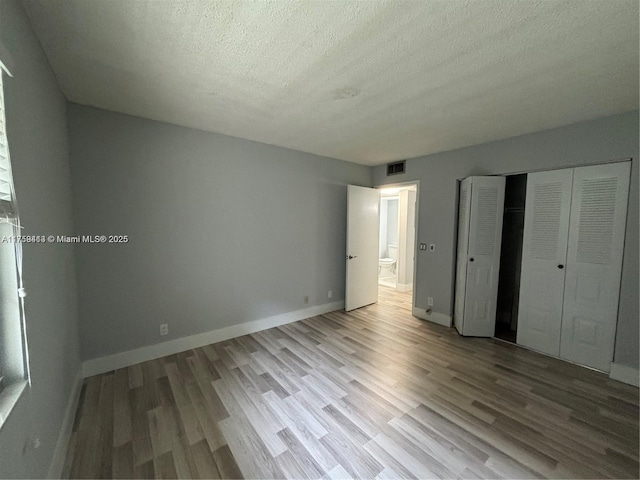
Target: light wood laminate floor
390,297
370,393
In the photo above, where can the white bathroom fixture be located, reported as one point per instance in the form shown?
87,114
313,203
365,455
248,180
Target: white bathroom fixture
387,265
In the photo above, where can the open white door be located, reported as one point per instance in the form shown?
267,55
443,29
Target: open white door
594,264
484,234
544,253
363,230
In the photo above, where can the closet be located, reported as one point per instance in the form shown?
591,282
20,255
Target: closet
511,257
564,301
572,262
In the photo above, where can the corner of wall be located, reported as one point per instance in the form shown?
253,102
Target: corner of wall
433,317
625,374
60,451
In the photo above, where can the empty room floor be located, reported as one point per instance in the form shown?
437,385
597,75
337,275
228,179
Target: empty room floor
370,393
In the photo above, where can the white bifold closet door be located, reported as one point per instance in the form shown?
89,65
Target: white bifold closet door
464,206
544,258
594,264
478,263
572,262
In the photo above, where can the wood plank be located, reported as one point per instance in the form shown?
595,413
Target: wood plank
121,408
250,453
205,417
159,433
122,461
205,464
308,466
300,428
226,463
164,467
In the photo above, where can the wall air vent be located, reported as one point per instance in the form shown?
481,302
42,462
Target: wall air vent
395,168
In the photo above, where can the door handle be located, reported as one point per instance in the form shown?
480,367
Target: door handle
350,257
471,259
560,266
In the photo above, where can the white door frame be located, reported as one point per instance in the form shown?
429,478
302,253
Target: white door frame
415,238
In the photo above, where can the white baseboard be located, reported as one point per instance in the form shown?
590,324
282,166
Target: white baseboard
435,317
404,287
151,352
625,374
60,452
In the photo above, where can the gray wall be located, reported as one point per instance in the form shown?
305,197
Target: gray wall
37,132
584,143
222,230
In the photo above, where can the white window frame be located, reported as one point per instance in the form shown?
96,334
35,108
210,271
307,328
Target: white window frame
14,374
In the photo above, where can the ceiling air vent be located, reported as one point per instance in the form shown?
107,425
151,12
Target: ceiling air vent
395,168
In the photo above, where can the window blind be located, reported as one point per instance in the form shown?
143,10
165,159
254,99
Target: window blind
14,356
7,197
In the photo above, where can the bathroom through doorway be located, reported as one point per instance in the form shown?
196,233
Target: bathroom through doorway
397,247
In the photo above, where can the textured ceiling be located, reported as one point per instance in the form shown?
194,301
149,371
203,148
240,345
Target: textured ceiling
363,81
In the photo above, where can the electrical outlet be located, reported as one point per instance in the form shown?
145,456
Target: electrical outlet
164,329
430,301
306,299
330,294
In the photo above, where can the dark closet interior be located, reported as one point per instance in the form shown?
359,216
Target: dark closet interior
511,257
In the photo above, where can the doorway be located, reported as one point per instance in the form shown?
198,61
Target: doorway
397,245
511,257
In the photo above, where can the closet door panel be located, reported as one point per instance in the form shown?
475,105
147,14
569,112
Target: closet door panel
594,264
544,251
464,209
483,265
